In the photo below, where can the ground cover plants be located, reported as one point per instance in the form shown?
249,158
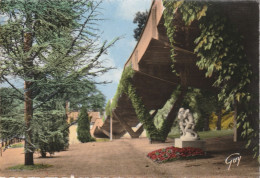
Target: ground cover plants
17,145
30,167
173,153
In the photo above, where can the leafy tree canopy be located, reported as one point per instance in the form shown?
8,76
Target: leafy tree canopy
65,47
140,19
50,128
9,104
53,46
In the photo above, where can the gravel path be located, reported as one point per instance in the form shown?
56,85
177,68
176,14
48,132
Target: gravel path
127,158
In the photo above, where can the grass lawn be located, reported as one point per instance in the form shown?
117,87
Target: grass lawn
17,145
102,139
30,167
209,134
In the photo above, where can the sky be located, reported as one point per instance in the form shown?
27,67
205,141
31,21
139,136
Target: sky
119,15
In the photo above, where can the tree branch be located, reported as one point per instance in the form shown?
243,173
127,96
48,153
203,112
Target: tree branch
13,86
47,99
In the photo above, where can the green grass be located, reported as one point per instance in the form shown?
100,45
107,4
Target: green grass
17,145
209,134
21,167
102,139
215,133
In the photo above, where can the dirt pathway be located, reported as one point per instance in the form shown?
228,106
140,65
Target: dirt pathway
127,158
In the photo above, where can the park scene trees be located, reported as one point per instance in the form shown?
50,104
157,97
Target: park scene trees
50,52
195,57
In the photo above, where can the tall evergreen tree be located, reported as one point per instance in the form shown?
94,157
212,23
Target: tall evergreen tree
83,129
49,44
140,19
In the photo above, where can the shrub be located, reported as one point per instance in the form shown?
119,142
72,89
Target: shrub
83,129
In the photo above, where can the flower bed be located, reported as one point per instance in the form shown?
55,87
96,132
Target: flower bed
174,153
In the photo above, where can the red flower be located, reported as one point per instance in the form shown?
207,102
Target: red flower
169,153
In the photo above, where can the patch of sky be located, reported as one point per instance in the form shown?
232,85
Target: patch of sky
119,15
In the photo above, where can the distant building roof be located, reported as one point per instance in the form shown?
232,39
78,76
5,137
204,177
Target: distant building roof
75,114
94,116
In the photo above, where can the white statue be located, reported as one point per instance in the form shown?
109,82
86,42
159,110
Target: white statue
181,118
187,125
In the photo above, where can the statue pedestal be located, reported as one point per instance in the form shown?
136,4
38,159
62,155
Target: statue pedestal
191,143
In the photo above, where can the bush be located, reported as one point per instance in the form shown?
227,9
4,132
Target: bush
50,131
83,129
17,145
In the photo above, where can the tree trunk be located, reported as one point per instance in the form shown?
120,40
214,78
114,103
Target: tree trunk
43,154
28,103
67,108
219,119
0,106
167,125
206,123
28,112
235,121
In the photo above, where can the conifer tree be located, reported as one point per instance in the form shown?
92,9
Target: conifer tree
83,129
49,44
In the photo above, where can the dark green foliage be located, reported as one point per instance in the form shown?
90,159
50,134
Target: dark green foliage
193,10
49,125
140,19
9,103
220,52
83,129
11,115
142,114
84,93
203,103
54,47
108,108
180,93
50,129
96,102
124,83
126,87
12,127
163,113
